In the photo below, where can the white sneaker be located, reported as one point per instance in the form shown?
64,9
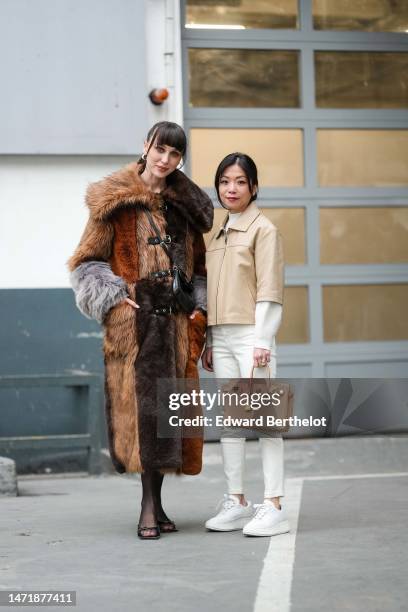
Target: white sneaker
232,515
267,521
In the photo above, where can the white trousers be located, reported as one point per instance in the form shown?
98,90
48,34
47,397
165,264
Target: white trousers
233,347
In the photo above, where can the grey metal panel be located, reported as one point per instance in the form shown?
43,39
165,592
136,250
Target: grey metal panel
91,384
345,351
306,75
269,199
344,362
254,37
219,41
359,274
358,201
395,195
368,369
75,75
43,333
295,370
297,117
305,17
225,43
185,82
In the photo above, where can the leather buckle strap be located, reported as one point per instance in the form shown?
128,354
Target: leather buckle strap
159,240
163,310
161,273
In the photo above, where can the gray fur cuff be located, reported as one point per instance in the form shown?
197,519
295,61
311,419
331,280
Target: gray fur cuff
200,291
97,289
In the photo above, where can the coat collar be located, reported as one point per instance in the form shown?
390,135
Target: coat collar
245,220
125,188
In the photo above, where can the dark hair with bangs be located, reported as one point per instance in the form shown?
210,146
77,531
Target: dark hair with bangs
248,166
170,134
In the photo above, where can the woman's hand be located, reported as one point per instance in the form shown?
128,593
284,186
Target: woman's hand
207,359
193,314
261,357
132,303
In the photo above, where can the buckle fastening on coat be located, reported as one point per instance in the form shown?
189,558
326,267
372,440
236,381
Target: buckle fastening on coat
159,240
163,310
161,273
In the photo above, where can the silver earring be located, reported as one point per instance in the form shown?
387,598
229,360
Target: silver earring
144,156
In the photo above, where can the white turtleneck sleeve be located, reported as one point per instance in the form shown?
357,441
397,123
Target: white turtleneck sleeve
268,316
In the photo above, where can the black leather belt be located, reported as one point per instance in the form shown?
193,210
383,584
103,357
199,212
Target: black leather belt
161,273
163,310
159,239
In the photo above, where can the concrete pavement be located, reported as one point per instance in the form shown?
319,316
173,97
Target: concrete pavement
346,550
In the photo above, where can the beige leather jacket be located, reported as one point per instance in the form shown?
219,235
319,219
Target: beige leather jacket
244,266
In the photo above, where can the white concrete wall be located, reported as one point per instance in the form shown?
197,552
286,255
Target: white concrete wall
42,215
42,212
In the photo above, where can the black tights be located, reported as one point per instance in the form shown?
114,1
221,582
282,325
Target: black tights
152,509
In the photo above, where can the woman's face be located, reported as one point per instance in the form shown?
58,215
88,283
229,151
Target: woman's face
161,160
234,189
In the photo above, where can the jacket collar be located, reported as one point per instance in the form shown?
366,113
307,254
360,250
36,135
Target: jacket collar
125,188
246,219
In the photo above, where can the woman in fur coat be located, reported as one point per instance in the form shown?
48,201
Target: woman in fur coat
122,277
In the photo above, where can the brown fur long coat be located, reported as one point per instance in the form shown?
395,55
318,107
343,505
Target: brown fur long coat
140,346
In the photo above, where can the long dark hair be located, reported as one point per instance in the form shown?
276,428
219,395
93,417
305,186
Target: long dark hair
166,133
248,166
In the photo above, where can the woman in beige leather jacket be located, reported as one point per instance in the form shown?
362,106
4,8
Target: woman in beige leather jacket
245,270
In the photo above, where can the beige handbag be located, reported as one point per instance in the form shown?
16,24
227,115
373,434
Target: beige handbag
243,414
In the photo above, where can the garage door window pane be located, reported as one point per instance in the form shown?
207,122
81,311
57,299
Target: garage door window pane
242,14
295,321
360,313
249,78
277,153
363,15
361,79
291,224
366,235
341,152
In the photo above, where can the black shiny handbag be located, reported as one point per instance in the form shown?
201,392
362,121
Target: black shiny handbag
182,287
183,290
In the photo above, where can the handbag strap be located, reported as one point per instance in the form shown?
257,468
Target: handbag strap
253,368
251,378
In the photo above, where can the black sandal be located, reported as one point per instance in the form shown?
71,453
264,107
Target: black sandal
165,524
142,536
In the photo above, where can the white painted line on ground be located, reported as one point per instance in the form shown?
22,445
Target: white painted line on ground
351,476
274,587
